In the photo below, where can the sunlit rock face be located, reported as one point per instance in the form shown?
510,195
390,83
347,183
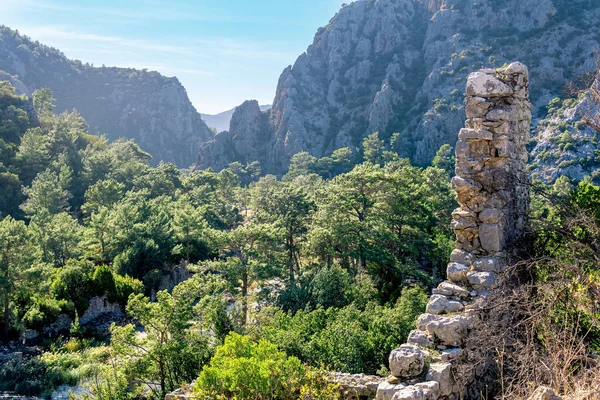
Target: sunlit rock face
400,66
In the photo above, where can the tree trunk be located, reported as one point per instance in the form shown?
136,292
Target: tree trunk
245,294
6,317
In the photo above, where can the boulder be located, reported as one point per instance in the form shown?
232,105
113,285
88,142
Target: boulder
407,361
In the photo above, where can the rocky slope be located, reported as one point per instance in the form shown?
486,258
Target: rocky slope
565,144
400,66
120,102
221,121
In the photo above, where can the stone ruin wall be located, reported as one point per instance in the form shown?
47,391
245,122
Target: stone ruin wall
491,186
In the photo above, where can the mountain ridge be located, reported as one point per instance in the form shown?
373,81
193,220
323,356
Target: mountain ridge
119,102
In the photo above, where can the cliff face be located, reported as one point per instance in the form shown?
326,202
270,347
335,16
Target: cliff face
565,144
399,66
119,102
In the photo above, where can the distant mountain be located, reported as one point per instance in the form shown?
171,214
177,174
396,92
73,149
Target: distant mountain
120,102
401,65
221,121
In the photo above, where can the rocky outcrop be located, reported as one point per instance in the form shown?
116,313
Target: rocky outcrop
119,102
491,184
247,140
567,145
394,66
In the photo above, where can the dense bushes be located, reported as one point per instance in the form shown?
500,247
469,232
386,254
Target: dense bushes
349,339
248,370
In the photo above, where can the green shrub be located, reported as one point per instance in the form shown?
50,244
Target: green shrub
243,369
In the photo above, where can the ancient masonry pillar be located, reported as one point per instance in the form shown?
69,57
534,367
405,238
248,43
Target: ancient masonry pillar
491,189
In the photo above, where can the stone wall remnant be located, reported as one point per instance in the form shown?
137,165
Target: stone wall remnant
491,186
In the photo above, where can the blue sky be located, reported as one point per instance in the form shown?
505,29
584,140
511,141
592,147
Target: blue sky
223,51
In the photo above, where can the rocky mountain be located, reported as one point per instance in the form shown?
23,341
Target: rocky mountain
221,121
400,66
566,142
119,102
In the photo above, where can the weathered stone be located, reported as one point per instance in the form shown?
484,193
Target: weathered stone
486,85
424,320
461,257
516,68
407,361
491,237
419,338
481,279
451,289
475,134
457,272
419,391
386,391
462,184
487,264
442,373
439,304
449,331
491,216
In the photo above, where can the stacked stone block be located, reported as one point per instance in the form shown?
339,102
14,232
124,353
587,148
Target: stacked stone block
491,189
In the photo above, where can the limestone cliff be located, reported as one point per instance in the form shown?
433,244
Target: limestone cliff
119,102
398,66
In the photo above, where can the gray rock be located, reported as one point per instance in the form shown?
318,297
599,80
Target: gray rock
487,264
424,391
386,391
491,237
457,272
439,304
407,361
449,331
475,134
461,257
442,373
481,279
451,289
485,85
419,338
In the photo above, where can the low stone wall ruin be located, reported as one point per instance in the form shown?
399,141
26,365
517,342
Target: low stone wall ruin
492,191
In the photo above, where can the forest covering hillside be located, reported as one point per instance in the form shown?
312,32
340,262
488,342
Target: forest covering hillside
118,102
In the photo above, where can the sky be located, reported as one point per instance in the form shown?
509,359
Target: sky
223,51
